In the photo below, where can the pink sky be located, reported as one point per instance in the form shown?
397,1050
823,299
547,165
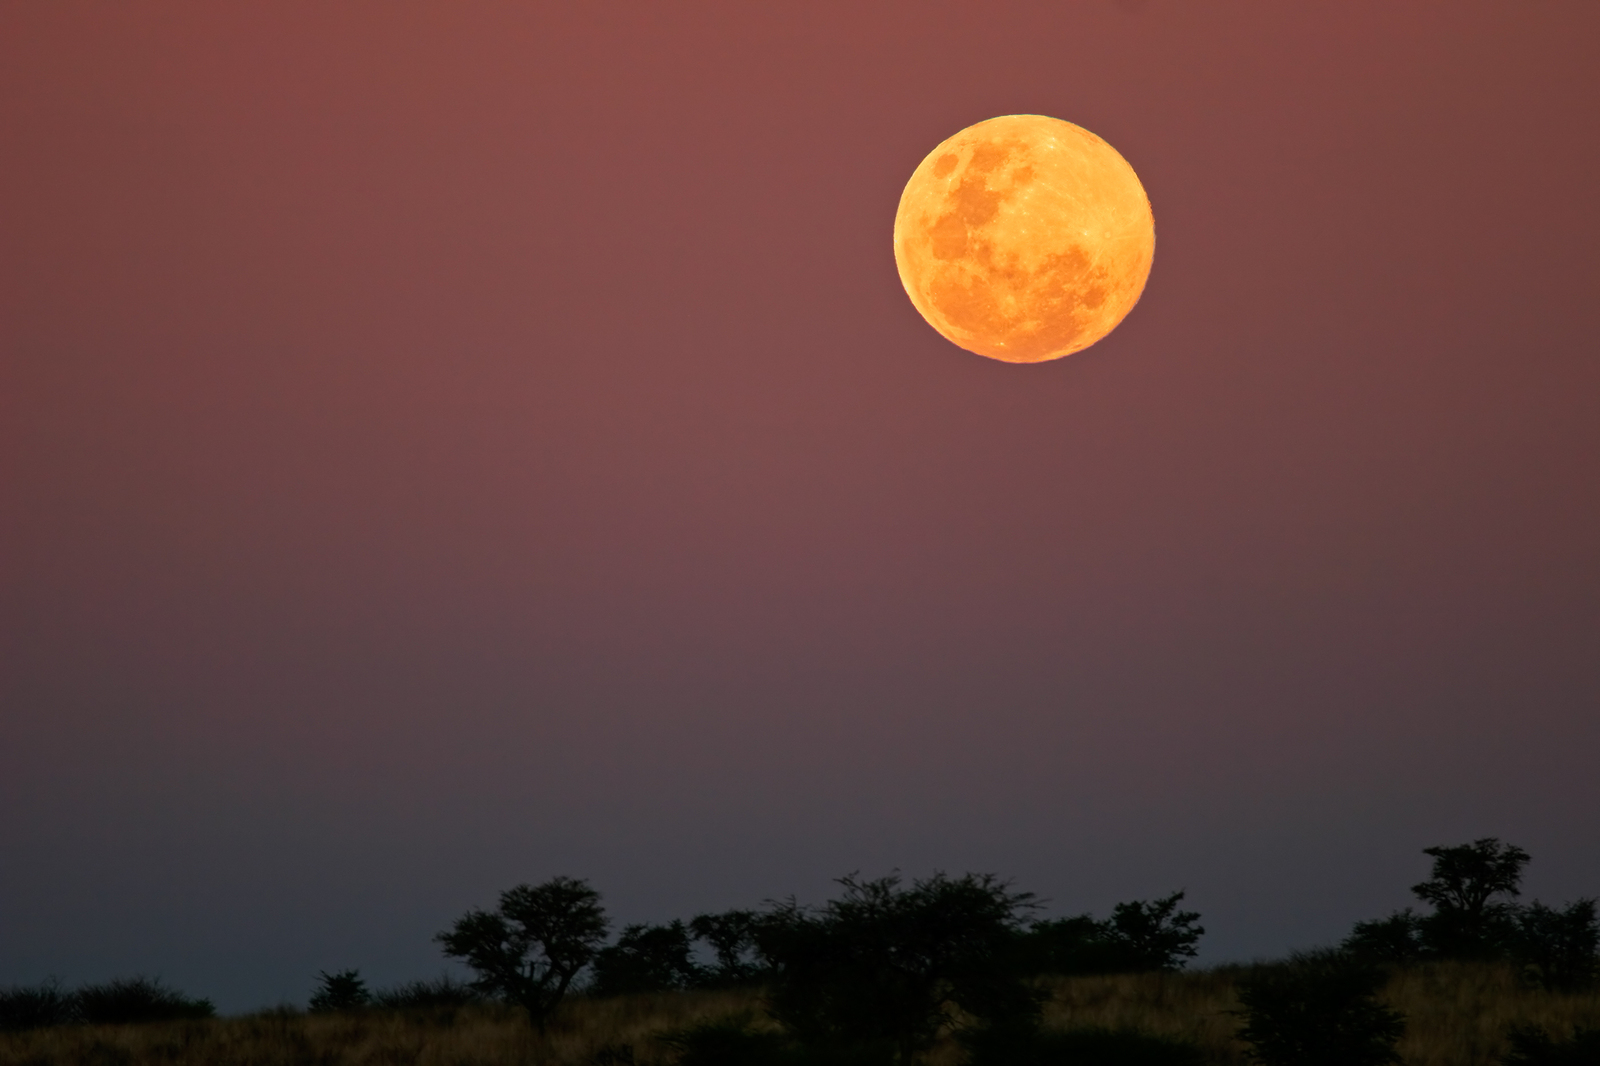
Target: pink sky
452,445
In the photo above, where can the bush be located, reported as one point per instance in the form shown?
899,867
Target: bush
1080,1047
728,1042
444,993
731,1042
1396,939
646,958
136,1000
1067,946
38,1007
1140,936
1320,1009
1559,949
1532,1046
342,991
887,966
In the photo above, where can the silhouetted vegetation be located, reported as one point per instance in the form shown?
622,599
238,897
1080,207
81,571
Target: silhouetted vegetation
129,1001
647,958
1531,1045
38,1007
1396,939
1091,1046
340,991
137,1000
1473,892
442,994
533,946
1139,937
939,972
1458,1014
888,966
1319,1009
729,1041
1559,949
732,938
734,1041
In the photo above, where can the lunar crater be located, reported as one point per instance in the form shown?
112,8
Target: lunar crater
1024,238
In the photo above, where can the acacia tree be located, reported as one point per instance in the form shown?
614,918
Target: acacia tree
1155,934
731,935
886,967
1473,891
530,949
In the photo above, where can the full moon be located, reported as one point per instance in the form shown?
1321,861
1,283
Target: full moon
1024,238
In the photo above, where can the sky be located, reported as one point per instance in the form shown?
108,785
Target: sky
444,446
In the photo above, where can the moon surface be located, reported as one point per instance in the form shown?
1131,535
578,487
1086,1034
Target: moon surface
1024,238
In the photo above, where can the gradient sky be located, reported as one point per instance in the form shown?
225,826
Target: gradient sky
448,445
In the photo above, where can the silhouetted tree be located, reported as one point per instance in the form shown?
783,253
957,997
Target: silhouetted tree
530,949
646,958
1559,949
1319,1009
1154,935
887,967
731,936
1472,891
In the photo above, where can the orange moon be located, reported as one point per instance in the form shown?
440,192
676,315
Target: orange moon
1024,238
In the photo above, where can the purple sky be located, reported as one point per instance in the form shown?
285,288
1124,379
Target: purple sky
452,445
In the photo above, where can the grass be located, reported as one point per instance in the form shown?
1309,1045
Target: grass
1457,1015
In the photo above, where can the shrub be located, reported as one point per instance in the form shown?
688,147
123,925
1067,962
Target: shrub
646,958
1320,1009
1396,939
342,991
731,1042
136,1000
1559,949
1140,936
887,966
1532,1046
443,993
727,1042
38,1007
1067,946
1095,1046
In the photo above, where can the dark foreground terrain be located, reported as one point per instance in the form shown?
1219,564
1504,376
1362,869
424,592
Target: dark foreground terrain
1457,1014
